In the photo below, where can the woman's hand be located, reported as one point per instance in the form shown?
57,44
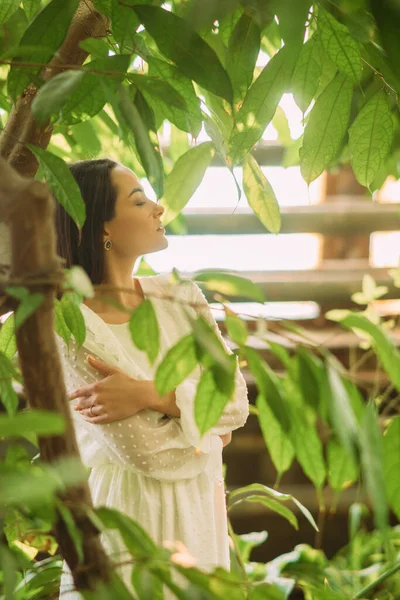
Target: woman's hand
226,439
115,397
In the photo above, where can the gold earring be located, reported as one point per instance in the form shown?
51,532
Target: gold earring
108,244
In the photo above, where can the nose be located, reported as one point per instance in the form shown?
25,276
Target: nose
159,210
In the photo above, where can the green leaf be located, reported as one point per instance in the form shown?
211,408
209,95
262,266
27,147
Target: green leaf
144,329
259,107
229,284
277,441
62,184
275,506
269,387
307,72
185,88
370,138
184,179
137,541
258,489
89,97
7,9
85,135
211,352
342,470
124,25
371,446
177,364
96,47
146,584
8,397
52,96
51,24
179,42
326,127
28,303
341,412
74,319
146,142
292,18
309,451
237,329
209,403
60,326
310,371
40,422
260,195
241,57
8,342
341,48
74,531
31,8
391,446
384,347
266,591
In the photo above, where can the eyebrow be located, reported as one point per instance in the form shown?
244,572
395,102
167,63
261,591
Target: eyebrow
135,190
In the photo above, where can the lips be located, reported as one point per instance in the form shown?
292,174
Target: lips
161,228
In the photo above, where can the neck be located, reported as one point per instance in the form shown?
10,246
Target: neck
119,274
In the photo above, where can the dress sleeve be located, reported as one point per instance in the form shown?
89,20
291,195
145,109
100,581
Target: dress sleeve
237,409
146,442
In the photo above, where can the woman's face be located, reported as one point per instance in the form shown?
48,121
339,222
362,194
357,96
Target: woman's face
135,229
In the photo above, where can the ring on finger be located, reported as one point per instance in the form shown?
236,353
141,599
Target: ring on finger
91,411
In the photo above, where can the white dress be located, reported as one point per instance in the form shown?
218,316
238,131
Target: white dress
157,470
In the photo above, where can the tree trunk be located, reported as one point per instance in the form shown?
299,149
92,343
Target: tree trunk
28,207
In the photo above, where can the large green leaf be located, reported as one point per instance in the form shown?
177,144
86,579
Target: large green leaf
307,72
341,412
371,446
309,451
39,422
342,49
7,9
209,402
370,138
342,470
8,343
185,88
89,97
144,329
137,541
8,396
62,184
237,328
278,442
31,8
124,25
269,386
60,326
51,25
241,57
292,21
75,532
52,96
177,364
229,284
384,347
159,88
178,41
184,179
310,371
146,142
274,506
267,591
74,319
326,127
259,106
391,445
260,195
258,489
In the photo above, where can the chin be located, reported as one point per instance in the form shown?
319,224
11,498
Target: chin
162,245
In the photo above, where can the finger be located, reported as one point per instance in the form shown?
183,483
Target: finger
100,419
94,410
85,402
85,390
101,366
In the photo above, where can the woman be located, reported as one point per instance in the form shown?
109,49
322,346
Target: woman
145,452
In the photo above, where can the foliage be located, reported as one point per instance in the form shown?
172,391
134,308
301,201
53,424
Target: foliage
196,68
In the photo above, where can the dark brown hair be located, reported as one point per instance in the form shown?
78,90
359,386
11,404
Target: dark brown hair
99,194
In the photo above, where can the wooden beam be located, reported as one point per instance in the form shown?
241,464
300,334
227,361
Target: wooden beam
329,285
340,217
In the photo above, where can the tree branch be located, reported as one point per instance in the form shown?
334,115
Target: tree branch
21,127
